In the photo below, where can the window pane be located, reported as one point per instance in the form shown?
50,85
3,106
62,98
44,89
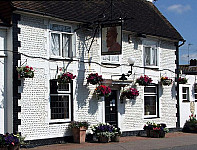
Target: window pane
147,56
60,107
63,86
55,44
184,90
66,47
150,90
195,90
154,57
150,105
60,28
184,96
196,96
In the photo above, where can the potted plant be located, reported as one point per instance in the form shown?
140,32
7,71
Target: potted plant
191,124
25,72
103,90
104,132
79,130
129,93
65,77
10,141
144,80
182,80
94,78
155,130
116,136
166,81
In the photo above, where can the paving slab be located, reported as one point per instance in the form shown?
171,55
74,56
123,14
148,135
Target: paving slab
171,140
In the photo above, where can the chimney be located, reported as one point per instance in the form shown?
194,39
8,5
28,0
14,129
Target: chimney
150,1
193,62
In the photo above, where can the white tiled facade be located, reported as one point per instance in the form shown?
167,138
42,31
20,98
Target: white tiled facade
35,96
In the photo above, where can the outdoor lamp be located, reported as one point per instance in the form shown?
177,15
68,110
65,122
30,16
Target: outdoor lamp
131,61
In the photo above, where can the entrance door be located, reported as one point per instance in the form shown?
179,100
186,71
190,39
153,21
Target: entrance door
111,115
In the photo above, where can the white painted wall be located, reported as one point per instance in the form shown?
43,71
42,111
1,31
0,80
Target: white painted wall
35,110
3,42
185,107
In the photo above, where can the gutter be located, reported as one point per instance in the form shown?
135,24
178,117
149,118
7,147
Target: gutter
177,71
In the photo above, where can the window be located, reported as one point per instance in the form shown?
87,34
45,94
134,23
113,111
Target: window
60,101
62,41
185,93
150,56
195,92
150,101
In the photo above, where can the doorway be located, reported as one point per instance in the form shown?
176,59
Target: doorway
111,115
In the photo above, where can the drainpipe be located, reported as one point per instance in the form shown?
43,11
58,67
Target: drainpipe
177,73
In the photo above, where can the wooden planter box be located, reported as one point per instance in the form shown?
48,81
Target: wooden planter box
157,134
16,147
79,134
115,138
103,139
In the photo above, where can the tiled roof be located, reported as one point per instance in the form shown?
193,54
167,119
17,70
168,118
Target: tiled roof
186,69
146,17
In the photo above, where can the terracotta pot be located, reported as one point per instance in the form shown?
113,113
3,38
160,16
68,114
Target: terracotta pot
79,134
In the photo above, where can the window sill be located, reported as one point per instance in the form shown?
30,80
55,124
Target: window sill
151,67
51,123
185,101
150,117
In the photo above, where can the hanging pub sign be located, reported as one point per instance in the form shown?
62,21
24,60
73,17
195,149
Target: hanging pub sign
111,37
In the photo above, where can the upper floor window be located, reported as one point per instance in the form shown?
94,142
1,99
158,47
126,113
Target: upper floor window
150,56
62,41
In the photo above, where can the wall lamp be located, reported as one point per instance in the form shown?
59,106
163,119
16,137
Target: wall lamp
131,63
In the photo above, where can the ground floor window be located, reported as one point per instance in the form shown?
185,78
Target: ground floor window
150,101
195,92
60,101
185,94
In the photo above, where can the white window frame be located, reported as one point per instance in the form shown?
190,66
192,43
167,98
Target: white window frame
62,93
156,104
72,48
195,93
151,52
187,94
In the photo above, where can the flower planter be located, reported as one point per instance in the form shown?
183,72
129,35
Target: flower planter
166,82
103,139
11,147
115,138
79,134
157,134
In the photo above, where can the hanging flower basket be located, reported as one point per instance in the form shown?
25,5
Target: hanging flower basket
65,77
166,81
25,72
94,78
129,93
182,80
103,90
144,80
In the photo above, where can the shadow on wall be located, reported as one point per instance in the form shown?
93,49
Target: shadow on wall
82,91
2,100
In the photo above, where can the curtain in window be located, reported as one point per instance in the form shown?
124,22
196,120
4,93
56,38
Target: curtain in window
154,57
55,44
147,56
66,49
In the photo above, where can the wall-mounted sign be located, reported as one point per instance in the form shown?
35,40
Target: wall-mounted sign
111,37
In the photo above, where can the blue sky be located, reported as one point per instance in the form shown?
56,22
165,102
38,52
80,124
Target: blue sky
182,14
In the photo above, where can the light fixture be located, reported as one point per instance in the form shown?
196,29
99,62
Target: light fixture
131,61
